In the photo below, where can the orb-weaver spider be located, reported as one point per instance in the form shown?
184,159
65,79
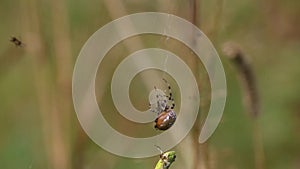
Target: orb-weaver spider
166,115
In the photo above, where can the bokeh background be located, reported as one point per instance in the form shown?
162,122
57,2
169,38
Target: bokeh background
38,125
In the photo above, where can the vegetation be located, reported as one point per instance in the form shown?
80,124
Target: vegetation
39,127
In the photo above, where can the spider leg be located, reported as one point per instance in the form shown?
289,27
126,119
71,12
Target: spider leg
170,94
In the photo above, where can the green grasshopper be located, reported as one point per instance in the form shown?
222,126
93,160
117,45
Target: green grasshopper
165,159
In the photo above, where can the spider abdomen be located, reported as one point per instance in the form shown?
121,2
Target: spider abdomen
165,119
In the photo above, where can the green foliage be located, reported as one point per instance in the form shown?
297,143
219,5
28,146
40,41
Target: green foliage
166,159
270,36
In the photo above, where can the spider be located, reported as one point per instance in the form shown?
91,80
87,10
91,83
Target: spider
166,115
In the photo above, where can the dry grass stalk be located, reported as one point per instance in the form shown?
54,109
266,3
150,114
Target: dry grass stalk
246,77
251,97
34,47
55,145
62,97
201,152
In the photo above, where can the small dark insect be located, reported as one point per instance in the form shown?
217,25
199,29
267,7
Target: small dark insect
16,41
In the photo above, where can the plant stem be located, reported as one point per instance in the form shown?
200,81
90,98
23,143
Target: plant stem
62,94
201,156
250,96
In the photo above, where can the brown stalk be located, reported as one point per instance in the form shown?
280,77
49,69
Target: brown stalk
54,135
201,152
62,95
246,77
35,48
213,32
250,95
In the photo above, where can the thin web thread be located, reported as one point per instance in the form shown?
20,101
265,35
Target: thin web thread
165,39
167,28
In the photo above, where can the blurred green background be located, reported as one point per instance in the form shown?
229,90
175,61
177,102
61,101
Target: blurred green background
38,125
